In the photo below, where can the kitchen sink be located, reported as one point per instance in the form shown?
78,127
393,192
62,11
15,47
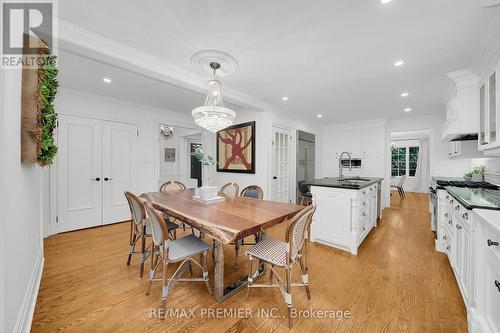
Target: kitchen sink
355,180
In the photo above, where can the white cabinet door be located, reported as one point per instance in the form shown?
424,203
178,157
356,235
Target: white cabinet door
119,169
374,141
355,142
79,163
373,166
466,258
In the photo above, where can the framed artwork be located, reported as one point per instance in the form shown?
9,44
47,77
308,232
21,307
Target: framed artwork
236,148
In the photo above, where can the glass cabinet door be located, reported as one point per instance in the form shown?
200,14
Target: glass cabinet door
482,115
492,122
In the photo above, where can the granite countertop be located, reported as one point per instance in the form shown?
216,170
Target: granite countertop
472,198
346,183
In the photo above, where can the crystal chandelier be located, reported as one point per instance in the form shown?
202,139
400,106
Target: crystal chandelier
213,116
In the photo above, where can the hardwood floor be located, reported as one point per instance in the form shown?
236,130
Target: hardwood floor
397,283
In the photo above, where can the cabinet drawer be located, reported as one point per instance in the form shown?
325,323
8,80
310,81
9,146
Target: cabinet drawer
492,291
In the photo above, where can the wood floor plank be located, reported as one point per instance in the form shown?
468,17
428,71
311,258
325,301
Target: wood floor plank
397,283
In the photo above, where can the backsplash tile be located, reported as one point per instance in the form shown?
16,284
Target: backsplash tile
492,165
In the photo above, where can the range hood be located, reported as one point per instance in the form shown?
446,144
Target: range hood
462,109
465,137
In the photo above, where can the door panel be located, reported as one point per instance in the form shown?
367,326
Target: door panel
280,188
79,165
119,168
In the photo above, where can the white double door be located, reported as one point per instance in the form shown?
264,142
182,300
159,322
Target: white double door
280,160
97,162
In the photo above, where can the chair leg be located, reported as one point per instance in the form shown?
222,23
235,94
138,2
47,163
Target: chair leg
305,277
131,249
250,277
175,233
143,252
400,193
164,294
155,262
271,274
288,296
204,262
191,268
213,249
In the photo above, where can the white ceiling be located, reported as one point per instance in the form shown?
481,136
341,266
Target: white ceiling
333,57
85,74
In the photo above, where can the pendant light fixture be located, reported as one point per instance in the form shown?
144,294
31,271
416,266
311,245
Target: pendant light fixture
213,116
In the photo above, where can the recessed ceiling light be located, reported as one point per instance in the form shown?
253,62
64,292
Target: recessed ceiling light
405,94
319,116
407,109
399,63
106,80
385,1
284,98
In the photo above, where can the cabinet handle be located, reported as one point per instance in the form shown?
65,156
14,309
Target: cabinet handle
458,226
106,179
447,197
444,237
465,216
364,214
364,203
457,207
497,284
492,243
364,192
448,247
445,214
96,179
450,222
364,228
451,201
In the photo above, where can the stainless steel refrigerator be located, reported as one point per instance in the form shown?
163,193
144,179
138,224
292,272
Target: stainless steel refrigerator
305,156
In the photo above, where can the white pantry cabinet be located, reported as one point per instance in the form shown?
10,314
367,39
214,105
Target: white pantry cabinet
344,217
468,149
489,117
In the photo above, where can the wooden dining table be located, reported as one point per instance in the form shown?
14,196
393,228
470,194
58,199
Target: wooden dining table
226,222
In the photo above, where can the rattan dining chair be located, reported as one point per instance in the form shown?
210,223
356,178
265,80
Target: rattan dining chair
140,229
255,192
275,254
167,251
252,191
172,186
231,189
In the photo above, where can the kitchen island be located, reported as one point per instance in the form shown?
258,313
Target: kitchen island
347,210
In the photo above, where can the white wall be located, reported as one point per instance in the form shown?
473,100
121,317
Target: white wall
263,127
440,164
21,224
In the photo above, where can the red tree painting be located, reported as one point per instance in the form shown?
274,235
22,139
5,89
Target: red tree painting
236,148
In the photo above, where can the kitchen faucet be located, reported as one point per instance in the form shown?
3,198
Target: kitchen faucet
340,164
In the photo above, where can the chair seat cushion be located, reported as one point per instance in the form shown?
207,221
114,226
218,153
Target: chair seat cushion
270,250
185,247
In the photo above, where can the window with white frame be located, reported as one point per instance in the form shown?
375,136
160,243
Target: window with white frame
404,161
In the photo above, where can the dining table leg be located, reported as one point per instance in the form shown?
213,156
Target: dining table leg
219,271
221,292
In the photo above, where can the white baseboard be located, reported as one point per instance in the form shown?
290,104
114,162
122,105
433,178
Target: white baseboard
25,316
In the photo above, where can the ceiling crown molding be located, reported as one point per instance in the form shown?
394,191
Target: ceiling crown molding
77,40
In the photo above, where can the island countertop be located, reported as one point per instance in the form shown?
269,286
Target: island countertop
351,183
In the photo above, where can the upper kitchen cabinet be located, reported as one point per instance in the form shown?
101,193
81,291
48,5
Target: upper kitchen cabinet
462,109
374,141
489,122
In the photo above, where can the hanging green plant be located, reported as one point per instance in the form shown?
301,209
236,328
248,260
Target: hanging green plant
43,134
